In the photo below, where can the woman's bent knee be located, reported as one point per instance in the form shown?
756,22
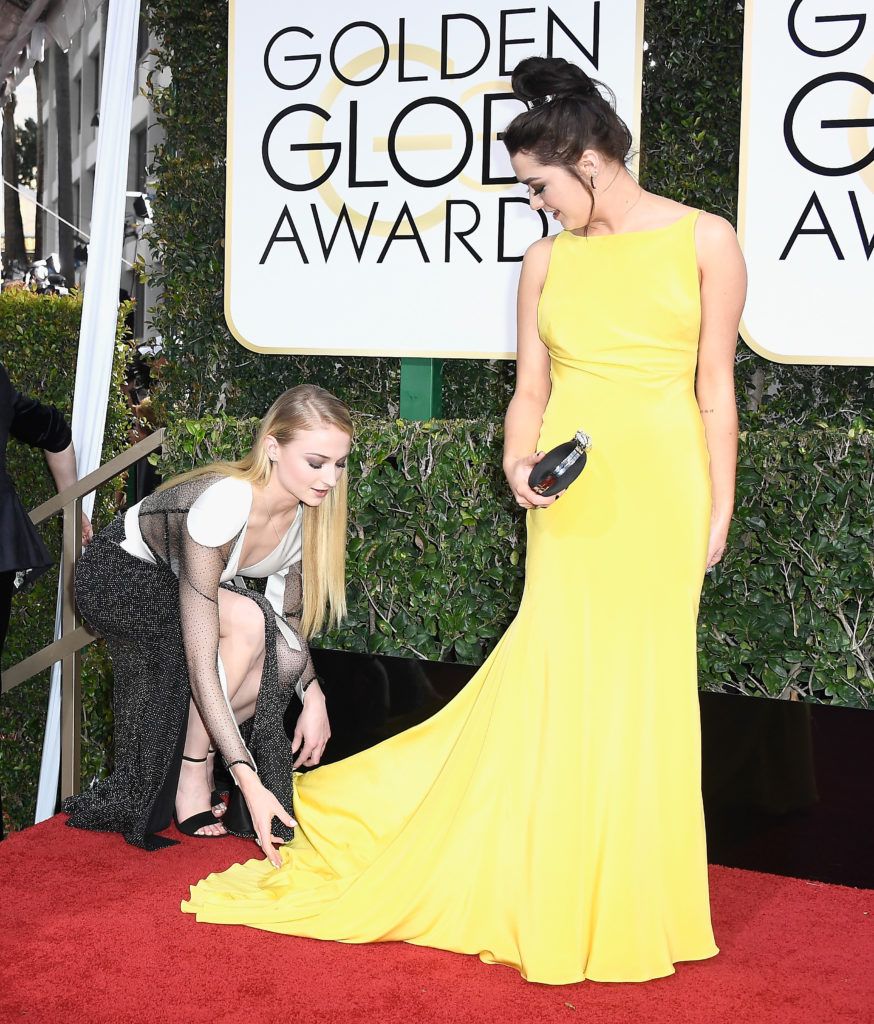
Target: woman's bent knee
241,622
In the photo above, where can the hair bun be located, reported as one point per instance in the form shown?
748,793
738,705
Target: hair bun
556,133
537,80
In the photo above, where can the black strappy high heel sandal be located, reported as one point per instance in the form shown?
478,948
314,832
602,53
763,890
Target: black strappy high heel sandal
190,825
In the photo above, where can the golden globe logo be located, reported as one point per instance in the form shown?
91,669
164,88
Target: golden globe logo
367,186
461,152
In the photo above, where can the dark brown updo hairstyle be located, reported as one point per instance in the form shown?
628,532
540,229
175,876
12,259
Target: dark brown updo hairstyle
567,114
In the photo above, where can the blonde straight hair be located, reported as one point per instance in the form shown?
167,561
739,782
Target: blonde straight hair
305,407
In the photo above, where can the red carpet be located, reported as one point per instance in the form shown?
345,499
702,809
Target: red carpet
91,932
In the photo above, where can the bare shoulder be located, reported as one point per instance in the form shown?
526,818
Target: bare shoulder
714,233
664,212
538,252
717,246
535,262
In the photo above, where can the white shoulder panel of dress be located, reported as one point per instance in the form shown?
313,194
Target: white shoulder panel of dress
220,512
133,542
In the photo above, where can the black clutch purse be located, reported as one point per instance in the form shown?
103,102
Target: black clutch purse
561,466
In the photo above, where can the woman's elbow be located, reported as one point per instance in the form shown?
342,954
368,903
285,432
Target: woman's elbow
714,380
533,395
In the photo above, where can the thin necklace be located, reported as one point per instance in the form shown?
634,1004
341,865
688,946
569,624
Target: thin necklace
270,517
630,208
636,201
615,176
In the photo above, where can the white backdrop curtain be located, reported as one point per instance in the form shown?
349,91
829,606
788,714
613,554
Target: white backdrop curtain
99,310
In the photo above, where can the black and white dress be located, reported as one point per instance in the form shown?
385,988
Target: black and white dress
149,584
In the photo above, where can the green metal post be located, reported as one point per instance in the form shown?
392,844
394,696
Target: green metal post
421,389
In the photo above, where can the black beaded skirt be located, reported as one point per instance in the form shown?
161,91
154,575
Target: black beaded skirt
134,605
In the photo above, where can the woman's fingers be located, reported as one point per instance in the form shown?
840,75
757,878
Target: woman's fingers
274,841
715,556
297,738
311,734
532,499
518,480
280,812
307,754
310,752
268,848
267,807
285,818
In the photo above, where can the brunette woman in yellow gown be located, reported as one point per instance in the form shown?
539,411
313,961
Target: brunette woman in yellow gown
550,816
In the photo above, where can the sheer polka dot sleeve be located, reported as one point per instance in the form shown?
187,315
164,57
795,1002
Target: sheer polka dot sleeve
293,608
197,549
199,571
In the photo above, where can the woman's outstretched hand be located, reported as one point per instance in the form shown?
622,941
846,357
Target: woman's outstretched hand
264,807
312,732
517,476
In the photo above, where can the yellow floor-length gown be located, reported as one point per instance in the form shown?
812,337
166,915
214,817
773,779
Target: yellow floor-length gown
550,816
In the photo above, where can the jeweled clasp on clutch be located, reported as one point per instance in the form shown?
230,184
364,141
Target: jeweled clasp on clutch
584,443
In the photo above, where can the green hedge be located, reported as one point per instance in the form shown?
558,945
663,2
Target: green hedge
791,612
39,337
436,551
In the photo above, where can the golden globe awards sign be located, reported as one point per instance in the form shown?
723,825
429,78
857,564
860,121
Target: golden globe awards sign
371,207
806,209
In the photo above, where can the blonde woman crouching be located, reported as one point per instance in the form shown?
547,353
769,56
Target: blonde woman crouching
202,663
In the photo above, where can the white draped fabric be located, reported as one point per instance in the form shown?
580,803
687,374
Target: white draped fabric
99,309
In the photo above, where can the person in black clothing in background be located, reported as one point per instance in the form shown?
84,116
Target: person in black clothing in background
21,547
